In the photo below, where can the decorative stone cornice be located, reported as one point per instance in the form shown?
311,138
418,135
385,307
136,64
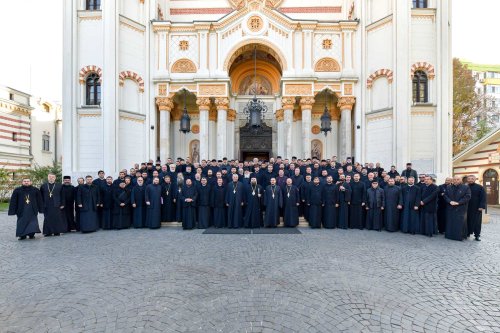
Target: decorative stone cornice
231,115
164,103
346,102
16,108
287,102
280,114
222,103
306,103
203,103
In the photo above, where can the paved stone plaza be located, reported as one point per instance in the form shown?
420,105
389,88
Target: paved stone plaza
170,280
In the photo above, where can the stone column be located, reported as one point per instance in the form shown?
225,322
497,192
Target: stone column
287,103
345,104
178,139
203,105
281,143
222,103
165,105
230,130
212,129
306,104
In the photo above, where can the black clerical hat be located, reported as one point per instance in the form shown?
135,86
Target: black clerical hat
67,177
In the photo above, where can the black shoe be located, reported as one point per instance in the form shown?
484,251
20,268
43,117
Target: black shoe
477,239
57,234
22,238
32,236
47,235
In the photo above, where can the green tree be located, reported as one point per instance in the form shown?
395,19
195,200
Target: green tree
38,174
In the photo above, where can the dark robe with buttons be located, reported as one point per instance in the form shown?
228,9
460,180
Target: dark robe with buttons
178,204
442,208
168,196
315,204
139,212
153,210
188,208
456,223
204,209
304,192
121,214
410,218
235,198
474,215
358,198
88,197
108,204
218,203
26,203
253,211
393,198
375,202
428,212
52,200
273,201
344,197
330,201
291,202
68,211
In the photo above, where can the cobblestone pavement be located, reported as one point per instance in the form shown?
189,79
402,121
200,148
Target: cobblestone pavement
170,280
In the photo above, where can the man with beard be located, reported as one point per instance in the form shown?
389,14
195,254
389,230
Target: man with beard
203,203
273,201
87,200
344,198
457,197
168,195
410,221
428,204
291,203
138,200
358,200
475,208
375,203
187,198
68,212
121,209
26,203
53,204
100,182
315,204
330,200
235,199
218,203
393,205
442,206
152,196
107,203
253,213
304,192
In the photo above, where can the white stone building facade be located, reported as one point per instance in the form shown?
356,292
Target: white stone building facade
382,68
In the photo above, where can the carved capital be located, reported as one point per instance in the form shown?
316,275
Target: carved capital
222,103
346,102
306,103
231,115
288,102
280,114
203,103
164,103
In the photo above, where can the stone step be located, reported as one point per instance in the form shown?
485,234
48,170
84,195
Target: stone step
302,223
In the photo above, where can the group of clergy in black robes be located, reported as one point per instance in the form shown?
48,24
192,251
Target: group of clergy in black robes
260,194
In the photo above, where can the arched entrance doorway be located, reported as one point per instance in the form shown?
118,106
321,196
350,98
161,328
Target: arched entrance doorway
490,183
260,77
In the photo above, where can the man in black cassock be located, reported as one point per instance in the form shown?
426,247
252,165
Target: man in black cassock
253,212
107,203
442,206
273,201
475,208
457,196
375,203
121,207
393,205
87,200
304,192
168,196
152,196
344,198
428,207
187,198
235,199
218,203
330,200
100,182
26,203
203,203
357,205
80,181
138,200
410,217
315,203
291,203
68,211
53,204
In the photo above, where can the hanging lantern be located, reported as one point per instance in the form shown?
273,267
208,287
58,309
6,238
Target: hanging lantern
185,119
255,108
326,120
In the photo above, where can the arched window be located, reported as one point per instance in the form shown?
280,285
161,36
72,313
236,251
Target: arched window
420,87
419,3
45,142
93,4
93,90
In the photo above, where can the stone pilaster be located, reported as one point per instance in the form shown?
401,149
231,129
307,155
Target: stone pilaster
346,104
287,104
306,104
222,105
165,106
204,107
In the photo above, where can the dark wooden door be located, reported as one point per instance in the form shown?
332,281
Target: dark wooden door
490,183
